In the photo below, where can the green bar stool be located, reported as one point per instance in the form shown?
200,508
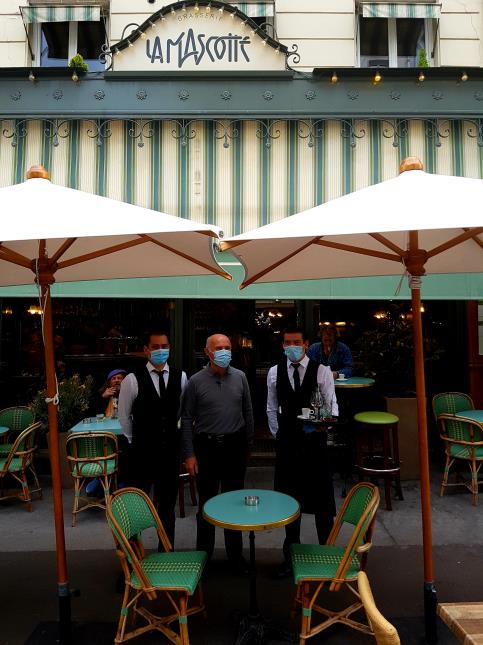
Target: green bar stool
378,450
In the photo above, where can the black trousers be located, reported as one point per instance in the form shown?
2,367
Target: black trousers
159,469
221,468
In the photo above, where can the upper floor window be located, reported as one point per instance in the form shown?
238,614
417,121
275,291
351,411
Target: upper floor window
262,13
391,42
60,41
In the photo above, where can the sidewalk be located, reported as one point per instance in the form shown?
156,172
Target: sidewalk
27,565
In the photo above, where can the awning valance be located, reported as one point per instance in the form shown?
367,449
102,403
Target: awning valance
400,10
255,9
60,14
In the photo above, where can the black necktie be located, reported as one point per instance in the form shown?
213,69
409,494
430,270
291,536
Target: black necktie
296,377
162,387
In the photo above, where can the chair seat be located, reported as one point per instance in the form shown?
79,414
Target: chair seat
5,449
465,452
376,417
16,464
93,469
175,570
320,562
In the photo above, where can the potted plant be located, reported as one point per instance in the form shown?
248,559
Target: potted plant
74,402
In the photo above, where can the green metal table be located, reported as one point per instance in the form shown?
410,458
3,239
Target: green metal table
354,382
476,415
93,425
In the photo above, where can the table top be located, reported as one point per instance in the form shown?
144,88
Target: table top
4,430
229,510
354,381
106,425
476,415
465,620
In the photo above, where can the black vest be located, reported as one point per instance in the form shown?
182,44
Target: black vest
291,403
155,418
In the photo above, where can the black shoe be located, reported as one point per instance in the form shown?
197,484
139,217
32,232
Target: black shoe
239,566
283,571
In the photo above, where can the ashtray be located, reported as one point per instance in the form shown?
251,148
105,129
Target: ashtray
252,500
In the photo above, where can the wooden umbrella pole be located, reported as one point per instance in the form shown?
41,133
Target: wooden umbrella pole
62,580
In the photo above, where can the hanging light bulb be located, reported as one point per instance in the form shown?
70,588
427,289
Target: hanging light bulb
172,10
334,78
377,78
118,52
143,36
464,77
220,9
208,7
32,76
74,76
196,8
184,8
421,76
264,42
153,24
130,43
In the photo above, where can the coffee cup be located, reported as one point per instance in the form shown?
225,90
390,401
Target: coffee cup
341,377
306,413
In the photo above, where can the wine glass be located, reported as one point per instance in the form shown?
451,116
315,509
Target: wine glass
316,402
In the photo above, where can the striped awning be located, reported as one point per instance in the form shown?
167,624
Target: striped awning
60,14
255,9
400,10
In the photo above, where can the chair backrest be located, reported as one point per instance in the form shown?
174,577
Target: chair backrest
384,632
130,512
16,418
84,448
23,447
461,429
451,402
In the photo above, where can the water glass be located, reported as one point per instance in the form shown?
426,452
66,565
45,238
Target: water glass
99,418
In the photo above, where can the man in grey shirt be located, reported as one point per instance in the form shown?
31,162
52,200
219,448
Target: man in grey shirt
217,428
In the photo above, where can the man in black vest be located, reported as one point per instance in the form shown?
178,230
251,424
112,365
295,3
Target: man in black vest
149,403
301,467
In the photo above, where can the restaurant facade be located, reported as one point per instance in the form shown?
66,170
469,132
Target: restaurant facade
239,114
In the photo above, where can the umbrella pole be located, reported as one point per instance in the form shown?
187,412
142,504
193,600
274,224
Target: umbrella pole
430,598
63,590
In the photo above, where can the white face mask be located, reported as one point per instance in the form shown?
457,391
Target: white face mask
222,357
294,353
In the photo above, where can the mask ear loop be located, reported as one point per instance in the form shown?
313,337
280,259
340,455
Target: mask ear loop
42,303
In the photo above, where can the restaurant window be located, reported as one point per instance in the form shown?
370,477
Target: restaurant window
392,42
60,41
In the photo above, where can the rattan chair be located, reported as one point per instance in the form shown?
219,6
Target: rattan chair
463,440
15,419
20,460
315,566
384,632
91,455
169,574
451,403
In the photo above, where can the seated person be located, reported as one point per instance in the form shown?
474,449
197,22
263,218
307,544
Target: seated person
332,352
110,391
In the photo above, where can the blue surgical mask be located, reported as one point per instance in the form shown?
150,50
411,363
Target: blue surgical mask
294,353
159,356
222,357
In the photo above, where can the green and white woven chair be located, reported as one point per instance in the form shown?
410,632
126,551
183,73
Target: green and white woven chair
463,440
15,419
171,574
315,565
451,403
91,455
18,462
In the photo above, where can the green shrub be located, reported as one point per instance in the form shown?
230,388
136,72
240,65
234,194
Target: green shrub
74,401
78,62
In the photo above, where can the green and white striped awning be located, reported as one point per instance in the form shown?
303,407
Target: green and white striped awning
400,10
60,14
255,9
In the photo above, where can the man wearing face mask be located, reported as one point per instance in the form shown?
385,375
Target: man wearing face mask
148,409
301,467
217,428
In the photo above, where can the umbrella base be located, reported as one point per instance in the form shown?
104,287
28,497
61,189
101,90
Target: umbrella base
47,633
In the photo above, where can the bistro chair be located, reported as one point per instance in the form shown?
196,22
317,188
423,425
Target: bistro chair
463,440
91,455
315,566
384,632
15,419
169,574
18,461
451,403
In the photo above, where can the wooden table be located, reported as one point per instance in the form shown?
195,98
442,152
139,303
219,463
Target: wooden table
465,620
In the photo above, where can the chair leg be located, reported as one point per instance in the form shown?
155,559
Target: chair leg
38,489
121,627
75,503
474,482
25,491
183,620
444,481
306,613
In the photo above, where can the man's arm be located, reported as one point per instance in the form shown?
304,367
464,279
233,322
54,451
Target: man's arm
248,411
272,400
127,396
327,388
188,409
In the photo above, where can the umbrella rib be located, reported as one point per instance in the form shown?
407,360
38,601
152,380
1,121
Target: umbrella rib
15,258
226,246
476,239
62,249
360,250
219,272
386,242
99,253
470,233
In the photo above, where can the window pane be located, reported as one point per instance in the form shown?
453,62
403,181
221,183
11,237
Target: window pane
410,39
54,47
90,38
374,51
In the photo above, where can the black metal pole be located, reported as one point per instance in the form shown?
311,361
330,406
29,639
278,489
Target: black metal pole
430,620
253,610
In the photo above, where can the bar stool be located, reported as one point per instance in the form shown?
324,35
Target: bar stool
379,428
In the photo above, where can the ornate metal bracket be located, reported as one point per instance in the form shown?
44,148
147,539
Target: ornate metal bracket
53,130
348,131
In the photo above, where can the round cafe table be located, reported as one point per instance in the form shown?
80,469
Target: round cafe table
4,430
229,511
475,415
354,382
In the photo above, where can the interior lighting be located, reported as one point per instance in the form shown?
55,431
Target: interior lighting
342,323
464,77
32,76
34,310
380,315
377,78
421,76
8,311
334,78
74,76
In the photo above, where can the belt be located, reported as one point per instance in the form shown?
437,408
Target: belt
219,438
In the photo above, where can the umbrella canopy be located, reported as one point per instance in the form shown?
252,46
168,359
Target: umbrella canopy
415,223
51,233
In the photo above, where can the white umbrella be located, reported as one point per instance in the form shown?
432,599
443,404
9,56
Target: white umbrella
416,222
51,233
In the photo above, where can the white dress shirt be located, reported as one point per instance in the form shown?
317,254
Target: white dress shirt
325,381
129,392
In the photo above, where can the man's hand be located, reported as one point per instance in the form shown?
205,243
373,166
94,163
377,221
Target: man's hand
191,464
335,375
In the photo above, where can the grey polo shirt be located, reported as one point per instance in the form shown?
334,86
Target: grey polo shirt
215,404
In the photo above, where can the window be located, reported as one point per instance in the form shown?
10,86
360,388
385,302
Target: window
392,42
60,41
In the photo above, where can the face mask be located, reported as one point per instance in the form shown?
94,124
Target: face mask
159,356
294,353
222,357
